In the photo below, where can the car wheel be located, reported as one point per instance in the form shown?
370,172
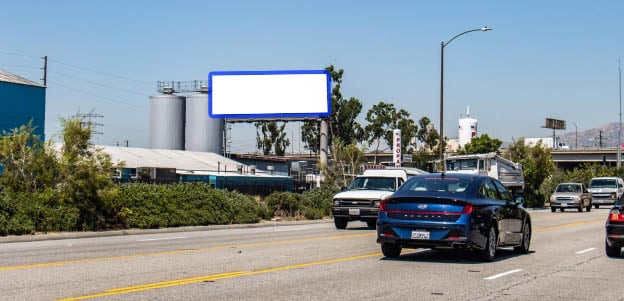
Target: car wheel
596,206
489,252
390,250
553,209
526,239
612,251
562,209
340,222
371,224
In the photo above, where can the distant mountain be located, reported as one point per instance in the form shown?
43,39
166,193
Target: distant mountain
592,138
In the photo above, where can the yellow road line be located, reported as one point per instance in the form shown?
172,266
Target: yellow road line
271,243
157,285
568,225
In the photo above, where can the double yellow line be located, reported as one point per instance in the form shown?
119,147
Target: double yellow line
156,285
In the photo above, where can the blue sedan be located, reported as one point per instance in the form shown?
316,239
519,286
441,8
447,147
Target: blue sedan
458,211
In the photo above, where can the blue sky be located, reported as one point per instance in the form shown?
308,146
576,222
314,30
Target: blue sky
556,59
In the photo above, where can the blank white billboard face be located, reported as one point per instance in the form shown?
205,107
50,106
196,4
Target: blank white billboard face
269,94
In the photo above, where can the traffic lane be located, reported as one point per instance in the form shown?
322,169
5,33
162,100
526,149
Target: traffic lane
569,263
24,253
139,264
420,274
85,277
545,218
429,268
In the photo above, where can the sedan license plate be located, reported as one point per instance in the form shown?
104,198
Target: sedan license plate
354,211
564,204
420,234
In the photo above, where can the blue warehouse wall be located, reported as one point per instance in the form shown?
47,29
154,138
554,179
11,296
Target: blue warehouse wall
20,104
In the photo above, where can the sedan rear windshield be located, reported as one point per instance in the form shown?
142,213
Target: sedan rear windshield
436,184
602,183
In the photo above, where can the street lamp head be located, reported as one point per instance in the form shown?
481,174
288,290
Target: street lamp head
486,28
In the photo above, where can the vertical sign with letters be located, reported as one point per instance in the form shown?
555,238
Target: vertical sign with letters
396,147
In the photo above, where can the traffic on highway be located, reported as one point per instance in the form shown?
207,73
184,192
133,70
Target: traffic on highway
310,261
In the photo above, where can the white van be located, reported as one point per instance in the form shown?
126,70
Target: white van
605,190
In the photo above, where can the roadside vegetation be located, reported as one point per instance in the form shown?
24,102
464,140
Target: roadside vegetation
47,188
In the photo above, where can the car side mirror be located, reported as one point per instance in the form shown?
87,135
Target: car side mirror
343,188
519,200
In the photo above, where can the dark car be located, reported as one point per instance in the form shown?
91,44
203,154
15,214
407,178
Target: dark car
459,211
615,230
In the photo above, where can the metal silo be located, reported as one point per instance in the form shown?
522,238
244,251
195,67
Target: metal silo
203,134
167,121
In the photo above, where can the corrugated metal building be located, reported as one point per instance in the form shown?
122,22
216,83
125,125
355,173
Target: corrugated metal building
165,165
21,100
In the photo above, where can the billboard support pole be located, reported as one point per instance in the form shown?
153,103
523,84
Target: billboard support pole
323,144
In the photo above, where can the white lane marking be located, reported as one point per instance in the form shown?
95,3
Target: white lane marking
162,238
285,230
585,251
502,274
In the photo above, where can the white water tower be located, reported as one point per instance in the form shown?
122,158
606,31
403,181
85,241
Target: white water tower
467,129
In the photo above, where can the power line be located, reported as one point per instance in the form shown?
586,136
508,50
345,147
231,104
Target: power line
98,96
80,68
102,73
18,54
20,66
99,84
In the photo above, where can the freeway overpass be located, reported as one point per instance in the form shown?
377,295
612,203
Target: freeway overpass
570,158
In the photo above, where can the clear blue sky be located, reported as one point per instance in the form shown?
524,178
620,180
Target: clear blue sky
543,59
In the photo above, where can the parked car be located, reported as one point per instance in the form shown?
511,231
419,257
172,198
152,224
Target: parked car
606,190
458,211
615,230
571,195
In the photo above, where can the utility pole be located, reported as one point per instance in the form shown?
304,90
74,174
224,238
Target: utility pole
45,70
600,138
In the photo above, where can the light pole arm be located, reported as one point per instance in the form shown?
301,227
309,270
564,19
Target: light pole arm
441,145
465,32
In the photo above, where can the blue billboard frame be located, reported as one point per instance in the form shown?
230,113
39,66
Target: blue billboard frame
276,114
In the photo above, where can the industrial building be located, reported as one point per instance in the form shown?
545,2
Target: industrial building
176,166
22,101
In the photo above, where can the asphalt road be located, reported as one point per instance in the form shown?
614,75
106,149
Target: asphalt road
309,262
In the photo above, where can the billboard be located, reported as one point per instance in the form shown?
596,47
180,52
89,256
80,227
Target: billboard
269,94
555,124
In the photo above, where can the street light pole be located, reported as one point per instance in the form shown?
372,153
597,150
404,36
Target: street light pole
441,145
619,147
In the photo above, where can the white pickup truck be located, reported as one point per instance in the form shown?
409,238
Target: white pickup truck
360,201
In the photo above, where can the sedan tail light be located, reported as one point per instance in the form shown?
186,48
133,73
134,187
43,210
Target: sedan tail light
615,216
383,207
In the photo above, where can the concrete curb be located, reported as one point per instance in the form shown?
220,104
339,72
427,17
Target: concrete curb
77,235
